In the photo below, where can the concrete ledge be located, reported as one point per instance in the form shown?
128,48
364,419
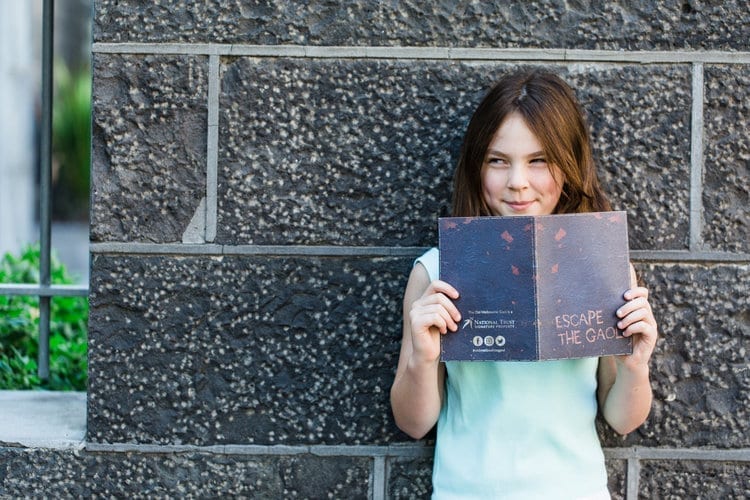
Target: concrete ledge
121,247
436,53
42,419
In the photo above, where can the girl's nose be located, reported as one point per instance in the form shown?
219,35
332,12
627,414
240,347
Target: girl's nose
517,177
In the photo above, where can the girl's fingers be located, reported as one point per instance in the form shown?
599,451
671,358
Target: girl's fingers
440,298
641,325
441,287
435,309
432,315
640,314
636,292
644,341
645,329
637,318
633,305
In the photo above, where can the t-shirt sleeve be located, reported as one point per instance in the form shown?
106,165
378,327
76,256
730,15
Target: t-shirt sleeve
431,261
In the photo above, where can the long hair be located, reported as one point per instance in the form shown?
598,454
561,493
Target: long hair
552,113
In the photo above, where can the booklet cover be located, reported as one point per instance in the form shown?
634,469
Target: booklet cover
536,288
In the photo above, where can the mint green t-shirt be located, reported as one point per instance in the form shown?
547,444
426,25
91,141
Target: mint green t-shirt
518,429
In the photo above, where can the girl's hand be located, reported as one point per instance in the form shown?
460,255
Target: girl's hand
431,315
418,387
624,390
637,320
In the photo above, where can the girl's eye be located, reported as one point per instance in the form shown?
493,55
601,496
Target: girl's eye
539,162
497,162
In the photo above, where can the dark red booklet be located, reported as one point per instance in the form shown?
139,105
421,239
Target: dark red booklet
536,288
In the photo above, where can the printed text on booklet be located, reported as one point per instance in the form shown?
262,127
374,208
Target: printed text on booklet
536,288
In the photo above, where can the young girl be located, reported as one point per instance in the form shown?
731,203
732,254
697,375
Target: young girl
519,429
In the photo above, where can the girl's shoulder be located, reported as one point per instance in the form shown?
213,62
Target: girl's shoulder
431,262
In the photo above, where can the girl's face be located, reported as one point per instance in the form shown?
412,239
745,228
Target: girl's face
516,178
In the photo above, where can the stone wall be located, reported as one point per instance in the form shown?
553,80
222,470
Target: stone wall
264,176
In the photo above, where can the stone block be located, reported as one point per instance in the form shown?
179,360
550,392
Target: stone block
362,153
694,478
699,370
617,478
243,350
339,152
409,477
148,146
726,188
639,118
616,25
44,473
81,474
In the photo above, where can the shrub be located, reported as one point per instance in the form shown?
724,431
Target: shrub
19,329
71,139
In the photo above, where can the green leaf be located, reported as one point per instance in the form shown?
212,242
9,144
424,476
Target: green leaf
19,327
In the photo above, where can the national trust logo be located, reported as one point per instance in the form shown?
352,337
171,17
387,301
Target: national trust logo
483,340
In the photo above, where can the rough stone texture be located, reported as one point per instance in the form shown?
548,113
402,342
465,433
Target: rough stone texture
50,473
726,188
699,371
616,475
694,479
243,350
292,350
362,153
148,146
80,474
412,478
339,152
640,25
409,478
639,118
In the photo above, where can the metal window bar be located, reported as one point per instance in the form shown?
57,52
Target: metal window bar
45,290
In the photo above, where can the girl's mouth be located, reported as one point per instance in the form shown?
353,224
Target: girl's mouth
519,206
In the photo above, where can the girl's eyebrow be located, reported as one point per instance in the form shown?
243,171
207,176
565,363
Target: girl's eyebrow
500,153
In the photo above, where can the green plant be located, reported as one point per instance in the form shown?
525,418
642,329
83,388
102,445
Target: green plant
19,329
71,142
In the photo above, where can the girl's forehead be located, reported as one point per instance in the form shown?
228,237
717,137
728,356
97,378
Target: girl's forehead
514,134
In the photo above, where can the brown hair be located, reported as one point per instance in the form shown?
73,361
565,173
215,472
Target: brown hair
552,113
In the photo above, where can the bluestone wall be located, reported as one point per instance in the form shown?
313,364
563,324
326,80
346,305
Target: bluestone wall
265,174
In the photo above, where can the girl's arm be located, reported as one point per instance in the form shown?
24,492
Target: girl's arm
624,390
417,391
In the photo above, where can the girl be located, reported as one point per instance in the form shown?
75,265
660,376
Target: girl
516,429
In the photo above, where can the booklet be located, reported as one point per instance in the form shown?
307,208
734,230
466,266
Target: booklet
536,287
